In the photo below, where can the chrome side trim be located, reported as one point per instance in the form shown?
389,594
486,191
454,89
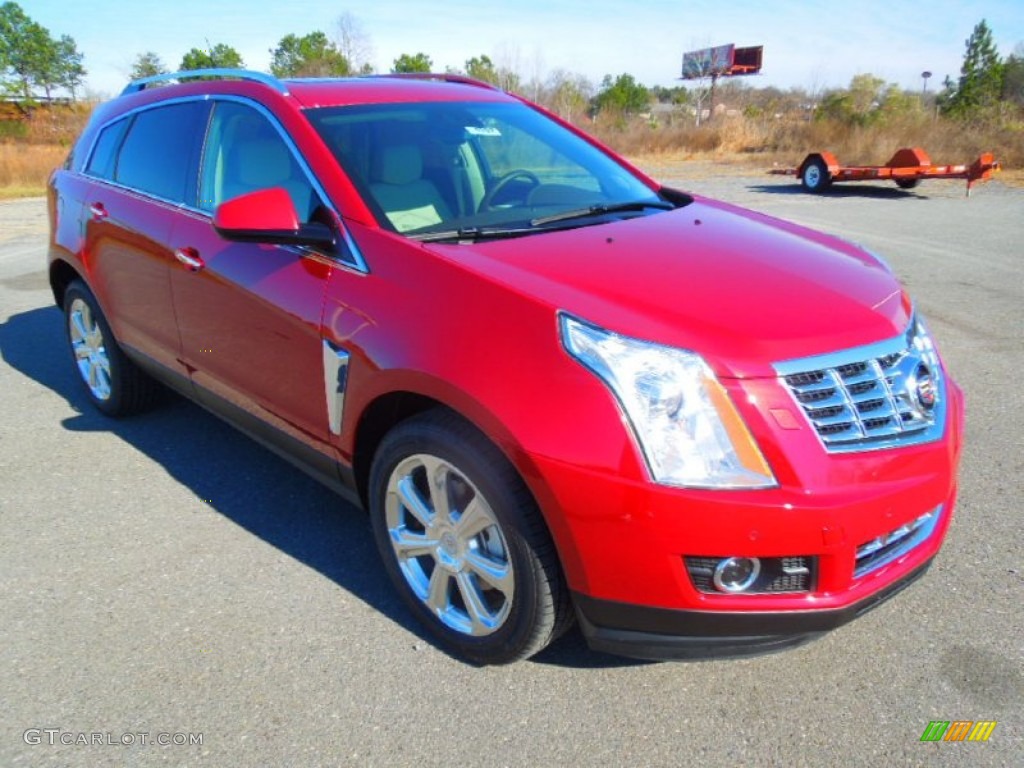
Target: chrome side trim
335,384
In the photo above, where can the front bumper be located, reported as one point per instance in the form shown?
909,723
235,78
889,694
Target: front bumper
625,543
662,634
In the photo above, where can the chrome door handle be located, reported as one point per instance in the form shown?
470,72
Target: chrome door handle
98,211
190,258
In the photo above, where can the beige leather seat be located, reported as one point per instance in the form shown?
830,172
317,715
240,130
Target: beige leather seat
408,200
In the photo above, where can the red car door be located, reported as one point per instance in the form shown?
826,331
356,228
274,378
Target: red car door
141,173
249,314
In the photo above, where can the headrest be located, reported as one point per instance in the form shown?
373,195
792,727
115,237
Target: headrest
400,164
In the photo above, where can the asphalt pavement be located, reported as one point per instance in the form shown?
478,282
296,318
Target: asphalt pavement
165,579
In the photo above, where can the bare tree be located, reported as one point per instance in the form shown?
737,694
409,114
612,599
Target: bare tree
507,64
354,43
536,84
815,91
568,94
700,74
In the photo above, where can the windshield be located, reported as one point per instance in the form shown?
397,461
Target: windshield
455,169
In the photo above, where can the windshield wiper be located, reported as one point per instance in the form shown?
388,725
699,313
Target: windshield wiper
472,234
475,234
602,208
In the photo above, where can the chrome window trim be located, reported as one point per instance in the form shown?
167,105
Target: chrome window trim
352,257
869,354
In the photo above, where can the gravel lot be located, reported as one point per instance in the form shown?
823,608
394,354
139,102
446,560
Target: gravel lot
165,575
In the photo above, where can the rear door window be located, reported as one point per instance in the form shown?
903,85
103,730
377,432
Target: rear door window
160,154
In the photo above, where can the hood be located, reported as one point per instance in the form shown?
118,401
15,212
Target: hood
741,289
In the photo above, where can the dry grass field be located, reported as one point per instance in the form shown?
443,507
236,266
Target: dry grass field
755,143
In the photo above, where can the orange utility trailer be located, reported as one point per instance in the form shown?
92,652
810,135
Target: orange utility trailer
907,167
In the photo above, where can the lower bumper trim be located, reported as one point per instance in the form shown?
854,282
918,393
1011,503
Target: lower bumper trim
660,633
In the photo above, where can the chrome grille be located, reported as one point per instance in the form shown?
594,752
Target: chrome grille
874,554
875,396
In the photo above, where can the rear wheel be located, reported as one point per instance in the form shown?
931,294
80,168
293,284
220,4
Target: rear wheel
113,382
463,541
907,183
815,176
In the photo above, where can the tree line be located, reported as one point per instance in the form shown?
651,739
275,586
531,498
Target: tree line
31,59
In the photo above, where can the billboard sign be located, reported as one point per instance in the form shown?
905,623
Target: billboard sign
707,62
723,60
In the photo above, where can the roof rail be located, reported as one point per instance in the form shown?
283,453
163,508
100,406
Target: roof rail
443,77
217,74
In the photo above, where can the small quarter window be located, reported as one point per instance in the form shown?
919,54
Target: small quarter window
104,156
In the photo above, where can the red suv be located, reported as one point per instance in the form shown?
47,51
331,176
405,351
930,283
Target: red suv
561,390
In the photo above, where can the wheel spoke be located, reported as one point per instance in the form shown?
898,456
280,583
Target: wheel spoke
94,377
438,478
78,327
413,502
498,575
86,315
437,591
410,545
474,520
95,338
479,615
103,378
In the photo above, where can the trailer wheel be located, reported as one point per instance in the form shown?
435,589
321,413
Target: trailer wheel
907,183
815,176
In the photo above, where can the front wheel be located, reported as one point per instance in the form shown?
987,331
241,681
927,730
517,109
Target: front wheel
907,183
463,541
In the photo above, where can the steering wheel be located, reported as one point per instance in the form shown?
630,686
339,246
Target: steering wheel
503,182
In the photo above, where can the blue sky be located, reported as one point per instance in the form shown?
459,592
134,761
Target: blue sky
808,43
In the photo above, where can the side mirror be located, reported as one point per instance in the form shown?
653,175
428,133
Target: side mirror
268,216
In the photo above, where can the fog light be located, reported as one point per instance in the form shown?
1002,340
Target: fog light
736,574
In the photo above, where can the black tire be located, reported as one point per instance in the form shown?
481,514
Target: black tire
518,611
113,383
907,183
815,176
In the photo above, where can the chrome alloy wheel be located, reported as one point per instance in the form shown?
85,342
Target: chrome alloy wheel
449,545
89,348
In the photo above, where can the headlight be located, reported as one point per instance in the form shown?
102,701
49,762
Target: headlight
684,422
